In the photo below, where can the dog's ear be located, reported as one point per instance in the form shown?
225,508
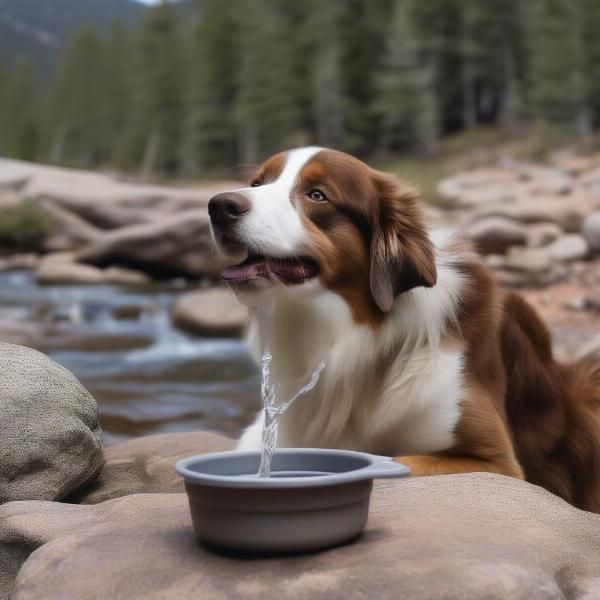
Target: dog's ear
402,255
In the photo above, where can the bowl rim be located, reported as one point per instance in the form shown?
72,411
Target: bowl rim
378,467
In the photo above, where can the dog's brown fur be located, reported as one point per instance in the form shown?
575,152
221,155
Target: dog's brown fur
523,414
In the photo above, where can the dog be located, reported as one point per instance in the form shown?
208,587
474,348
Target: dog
427,359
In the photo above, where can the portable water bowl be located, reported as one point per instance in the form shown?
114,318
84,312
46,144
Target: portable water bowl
314,499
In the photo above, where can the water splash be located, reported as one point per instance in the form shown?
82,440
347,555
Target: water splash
273,411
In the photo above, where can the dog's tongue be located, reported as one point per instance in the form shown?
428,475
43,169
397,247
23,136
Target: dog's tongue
252,267
289,271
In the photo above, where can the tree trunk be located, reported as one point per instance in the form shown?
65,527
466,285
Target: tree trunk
469,96
150,153
249,142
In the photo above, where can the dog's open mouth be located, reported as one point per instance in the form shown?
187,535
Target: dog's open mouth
291,271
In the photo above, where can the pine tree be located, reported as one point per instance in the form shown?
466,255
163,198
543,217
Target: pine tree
77,133
326,97
404,98
116,93
19,113
361,25
556,61
212,62
267,108
489,45
151,142
590,19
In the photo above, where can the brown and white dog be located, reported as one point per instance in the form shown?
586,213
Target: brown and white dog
426,358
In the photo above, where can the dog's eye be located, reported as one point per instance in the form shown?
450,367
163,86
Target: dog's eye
317,196
256,183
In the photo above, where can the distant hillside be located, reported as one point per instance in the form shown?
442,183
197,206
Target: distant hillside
39,28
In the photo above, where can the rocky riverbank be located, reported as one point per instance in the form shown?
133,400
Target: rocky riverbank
101,221
80,519
537,227
123,529
147,375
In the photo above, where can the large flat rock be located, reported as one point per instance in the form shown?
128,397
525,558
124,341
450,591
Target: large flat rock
453,537
147,465
215,312
174,245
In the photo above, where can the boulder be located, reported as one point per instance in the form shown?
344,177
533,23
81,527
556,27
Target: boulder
57,257
567,215
457,537
147,465
66,272
50,440
105,215
545,180
529,267
125,277
174,246
79,189
530,260
495,234
577,165
590,181
542,234
213,313
568,248
480,187
590,349
70,231
19,262
591,230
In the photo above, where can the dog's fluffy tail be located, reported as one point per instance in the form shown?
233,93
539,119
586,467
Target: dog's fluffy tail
583,390
553,409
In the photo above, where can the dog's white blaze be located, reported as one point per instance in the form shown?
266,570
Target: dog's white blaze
273,226
392,391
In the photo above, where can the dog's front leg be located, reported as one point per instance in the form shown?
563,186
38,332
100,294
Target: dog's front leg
441,464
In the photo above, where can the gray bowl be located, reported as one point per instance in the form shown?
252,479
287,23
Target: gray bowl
314,498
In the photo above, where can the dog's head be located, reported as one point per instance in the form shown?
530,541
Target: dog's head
315,218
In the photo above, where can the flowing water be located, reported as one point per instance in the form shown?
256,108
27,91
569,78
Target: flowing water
146,376
274,409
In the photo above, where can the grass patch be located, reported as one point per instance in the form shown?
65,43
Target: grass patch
24,227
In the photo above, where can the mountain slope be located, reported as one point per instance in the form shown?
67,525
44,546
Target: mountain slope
39,28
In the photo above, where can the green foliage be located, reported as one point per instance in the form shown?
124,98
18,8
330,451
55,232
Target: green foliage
405,99
230,81
152,138
266,107
24,227
210,135
77,129
325,95
19,113
557,67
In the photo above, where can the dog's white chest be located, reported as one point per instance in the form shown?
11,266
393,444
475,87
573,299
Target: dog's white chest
413,408
395,391
419,405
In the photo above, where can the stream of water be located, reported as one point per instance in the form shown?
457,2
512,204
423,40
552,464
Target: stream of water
146,376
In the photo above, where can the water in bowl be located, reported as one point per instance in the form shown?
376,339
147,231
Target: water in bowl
273,411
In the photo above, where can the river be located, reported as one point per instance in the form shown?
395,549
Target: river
146,376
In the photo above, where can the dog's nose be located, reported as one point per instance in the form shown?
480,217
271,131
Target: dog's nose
225,209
